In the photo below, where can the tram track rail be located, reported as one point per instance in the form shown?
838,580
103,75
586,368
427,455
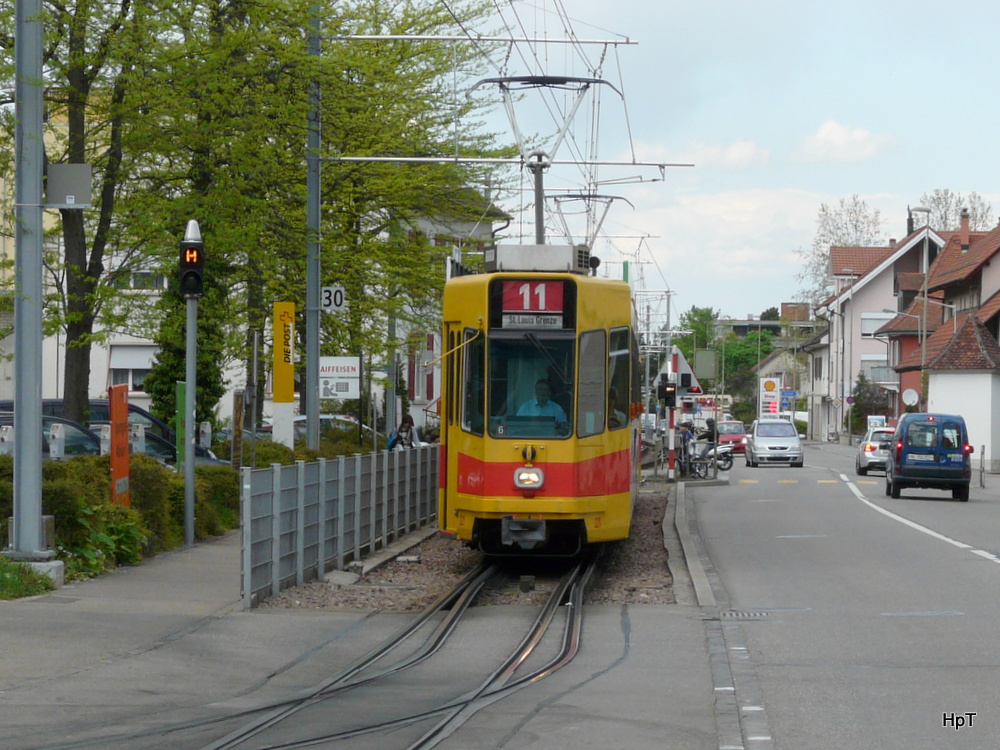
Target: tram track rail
263,726
454,712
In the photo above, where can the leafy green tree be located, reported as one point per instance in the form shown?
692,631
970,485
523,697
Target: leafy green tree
198,111
869,398
700,321
771,313
740,357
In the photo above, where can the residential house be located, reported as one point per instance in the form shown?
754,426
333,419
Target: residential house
871,284
961,356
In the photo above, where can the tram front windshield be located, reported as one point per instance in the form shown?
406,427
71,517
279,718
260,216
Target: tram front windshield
531,385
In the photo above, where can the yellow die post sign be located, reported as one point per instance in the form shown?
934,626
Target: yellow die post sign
284,352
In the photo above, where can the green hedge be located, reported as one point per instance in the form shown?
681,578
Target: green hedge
93,534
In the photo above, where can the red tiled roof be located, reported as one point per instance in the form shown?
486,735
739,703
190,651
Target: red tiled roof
953,265
911,321
936,344
972,348
856,261
910,282
989,308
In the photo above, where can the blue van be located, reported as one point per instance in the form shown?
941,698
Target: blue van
930,451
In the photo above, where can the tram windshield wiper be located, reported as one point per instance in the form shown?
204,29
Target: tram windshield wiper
545,353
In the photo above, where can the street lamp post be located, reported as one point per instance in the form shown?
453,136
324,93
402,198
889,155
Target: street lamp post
953,308
923,312
848,388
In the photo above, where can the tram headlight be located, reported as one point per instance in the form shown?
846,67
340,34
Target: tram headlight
529,478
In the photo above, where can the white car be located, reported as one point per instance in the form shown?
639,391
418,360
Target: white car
773,441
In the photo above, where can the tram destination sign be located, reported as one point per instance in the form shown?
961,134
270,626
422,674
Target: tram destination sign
532,304
532,320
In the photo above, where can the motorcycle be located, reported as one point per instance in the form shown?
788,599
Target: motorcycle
699,464
723,455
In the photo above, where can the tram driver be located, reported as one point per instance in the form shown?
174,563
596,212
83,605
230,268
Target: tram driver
542,405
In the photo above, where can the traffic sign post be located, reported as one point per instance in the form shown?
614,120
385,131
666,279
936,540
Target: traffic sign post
192,265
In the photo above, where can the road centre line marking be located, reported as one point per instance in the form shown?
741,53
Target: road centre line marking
749,481
865,481
788,481
826,481
906,521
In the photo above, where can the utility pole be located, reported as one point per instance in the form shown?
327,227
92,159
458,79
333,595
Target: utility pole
29,154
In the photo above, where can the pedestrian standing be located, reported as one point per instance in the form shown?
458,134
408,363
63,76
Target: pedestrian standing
406,435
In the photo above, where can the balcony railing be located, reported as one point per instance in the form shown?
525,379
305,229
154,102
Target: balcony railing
881,374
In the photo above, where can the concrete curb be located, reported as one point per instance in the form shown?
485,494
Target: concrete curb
699,579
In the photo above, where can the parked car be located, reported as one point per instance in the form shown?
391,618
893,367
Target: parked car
166,452
773,441
100,411
732,432
930,451
873,451
77,439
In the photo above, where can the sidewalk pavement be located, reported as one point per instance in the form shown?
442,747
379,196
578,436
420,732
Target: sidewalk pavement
168,642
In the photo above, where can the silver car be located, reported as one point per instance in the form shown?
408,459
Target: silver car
873,451
773,441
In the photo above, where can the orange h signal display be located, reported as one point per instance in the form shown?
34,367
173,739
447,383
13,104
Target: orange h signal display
192,268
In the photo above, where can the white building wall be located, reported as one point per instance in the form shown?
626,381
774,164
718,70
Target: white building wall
990,281
974,395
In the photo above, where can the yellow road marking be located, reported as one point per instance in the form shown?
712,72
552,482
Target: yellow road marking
828,481
866,481
788,481
749,481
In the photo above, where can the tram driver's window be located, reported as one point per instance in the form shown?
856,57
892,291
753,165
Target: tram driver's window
592,394
474,383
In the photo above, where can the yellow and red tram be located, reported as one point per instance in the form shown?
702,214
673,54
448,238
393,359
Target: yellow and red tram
539,423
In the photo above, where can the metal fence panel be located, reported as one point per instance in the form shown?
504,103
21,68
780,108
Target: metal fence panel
298,522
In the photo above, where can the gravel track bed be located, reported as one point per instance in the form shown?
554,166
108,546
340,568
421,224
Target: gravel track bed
634,572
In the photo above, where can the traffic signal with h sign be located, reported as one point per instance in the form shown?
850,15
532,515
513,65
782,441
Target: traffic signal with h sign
192,262
667,392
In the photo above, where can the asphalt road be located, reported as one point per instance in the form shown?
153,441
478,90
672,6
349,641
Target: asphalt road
861,622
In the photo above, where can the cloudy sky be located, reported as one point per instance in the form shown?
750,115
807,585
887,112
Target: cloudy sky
781,105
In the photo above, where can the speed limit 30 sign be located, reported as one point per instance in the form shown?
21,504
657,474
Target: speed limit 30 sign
333,299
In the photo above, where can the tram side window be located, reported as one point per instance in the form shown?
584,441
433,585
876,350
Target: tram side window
618,376
474,383
592,394
636,393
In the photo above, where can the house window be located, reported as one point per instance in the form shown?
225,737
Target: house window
871,322
817,368
134,379
130,365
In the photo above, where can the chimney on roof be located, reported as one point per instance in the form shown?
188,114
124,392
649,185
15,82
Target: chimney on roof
892,242
963,233
909,221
